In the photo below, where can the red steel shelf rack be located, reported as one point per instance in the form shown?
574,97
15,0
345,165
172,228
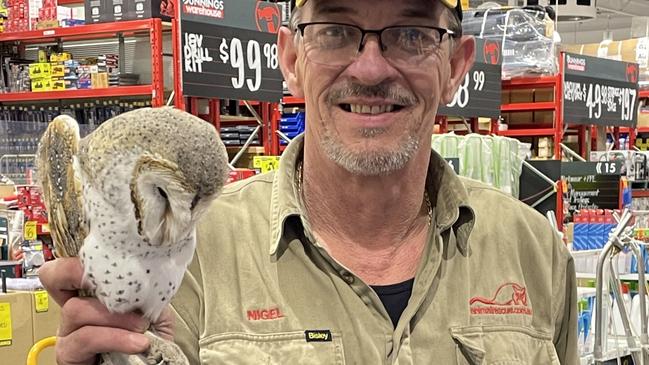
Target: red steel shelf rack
154,27
543,82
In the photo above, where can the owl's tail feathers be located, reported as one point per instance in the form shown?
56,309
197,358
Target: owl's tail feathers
61,186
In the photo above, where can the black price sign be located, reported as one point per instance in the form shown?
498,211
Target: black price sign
599,91
479,94
454,162
230,49
592,185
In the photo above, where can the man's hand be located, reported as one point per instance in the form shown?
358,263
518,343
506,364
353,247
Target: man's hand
87,328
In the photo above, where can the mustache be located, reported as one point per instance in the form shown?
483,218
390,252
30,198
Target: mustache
388,91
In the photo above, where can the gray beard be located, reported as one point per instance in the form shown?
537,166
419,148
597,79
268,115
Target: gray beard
374,163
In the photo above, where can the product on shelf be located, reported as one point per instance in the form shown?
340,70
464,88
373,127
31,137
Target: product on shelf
494,160
238,135
528,47
592,228
105,11
22,15
292,125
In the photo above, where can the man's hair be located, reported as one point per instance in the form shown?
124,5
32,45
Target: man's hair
454,23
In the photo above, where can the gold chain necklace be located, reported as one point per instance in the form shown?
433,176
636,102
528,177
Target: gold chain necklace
299,178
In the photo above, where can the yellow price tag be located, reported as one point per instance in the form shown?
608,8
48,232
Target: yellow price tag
266,163
30,231
42,301
5,324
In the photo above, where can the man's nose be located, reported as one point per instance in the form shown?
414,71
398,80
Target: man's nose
370,67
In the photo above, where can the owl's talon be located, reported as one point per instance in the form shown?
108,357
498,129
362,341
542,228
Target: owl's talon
163,352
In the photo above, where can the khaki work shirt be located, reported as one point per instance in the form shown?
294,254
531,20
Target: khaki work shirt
495,284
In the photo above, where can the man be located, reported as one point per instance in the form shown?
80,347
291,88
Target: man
365,247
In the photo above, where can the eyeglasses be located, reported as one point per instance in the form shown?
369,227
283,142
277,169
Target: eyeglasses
337,44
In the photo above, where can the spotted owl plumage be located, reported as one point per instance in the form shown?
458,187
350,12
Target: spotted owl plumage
126,199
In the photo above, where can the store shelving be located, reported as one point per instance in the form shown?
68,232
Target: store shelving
153,27
116,91
82,31
553,83
623,277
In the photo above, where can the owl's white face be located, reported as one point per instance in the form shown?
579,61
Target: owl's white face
138,264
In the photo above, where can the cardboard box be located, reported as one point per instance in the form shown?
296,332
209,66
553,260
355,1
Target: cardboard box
16,336
42,85
58,84
40,70
99,80
7,190
97,11
145,9
46,316
521,96
117,9
643,119
58,70
544,117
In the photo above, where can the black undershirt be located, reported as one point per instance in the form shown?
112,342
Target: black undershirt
395,298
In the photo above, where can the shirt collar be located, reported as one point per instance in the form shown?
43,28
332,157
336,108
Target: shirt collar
447,193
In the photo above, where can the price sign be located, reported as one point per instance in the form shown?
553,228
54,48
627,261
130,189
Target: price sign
41,301
266,163
230,49
30,232
600,91
479,94
454,162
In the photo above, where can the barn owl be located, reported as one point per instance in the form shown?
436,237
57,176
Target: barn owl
126,199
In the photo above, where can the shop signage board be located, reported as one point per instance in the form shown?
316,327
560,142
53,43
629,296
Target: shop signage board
229,49
480,94
599,91
592,185
454,162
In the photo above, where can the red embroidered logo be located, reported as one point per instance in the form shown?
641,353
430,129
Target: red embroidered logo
510,298
264,314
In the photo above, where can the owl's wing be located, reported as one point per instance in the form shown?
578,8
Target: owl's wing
62,189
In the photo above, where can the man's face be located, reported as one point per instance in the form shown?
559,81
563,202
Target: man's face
371,115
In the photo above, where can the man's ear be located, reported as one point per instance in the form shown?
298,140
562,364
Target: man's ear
288,60
462,58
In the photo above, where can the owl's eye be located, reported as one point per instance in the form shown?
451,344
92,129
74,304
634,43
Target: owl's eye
162,193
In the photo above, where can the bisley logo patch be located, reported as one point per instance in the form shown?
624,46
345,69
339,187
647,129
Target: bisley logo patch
318,336
510,298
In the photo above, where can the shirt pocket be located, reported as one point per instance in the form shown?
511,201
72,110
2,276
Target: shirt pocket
270,349
503,345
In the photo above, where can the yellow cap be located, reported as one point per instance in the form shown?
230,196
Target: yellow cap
451,4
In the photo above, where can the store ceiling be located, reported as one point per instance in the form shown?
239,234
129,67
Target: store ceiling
622,19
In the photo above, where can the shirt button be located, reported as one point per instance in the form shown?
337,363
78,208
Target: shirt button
349,278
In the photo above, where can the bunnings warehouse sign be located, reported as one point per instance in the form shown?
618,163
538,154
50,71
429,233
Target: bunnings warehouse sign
230,50
599,91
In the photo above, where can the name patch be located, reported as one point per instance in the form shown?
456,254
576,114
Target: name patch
318,336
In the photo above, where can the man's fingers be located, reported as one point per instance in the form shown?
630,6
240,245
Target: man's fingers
79,312
62,278
82,346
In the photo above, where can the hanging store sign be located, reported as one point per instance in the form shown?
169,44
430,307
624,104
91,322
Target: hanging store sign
230,49
592,185
480,94
599,91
